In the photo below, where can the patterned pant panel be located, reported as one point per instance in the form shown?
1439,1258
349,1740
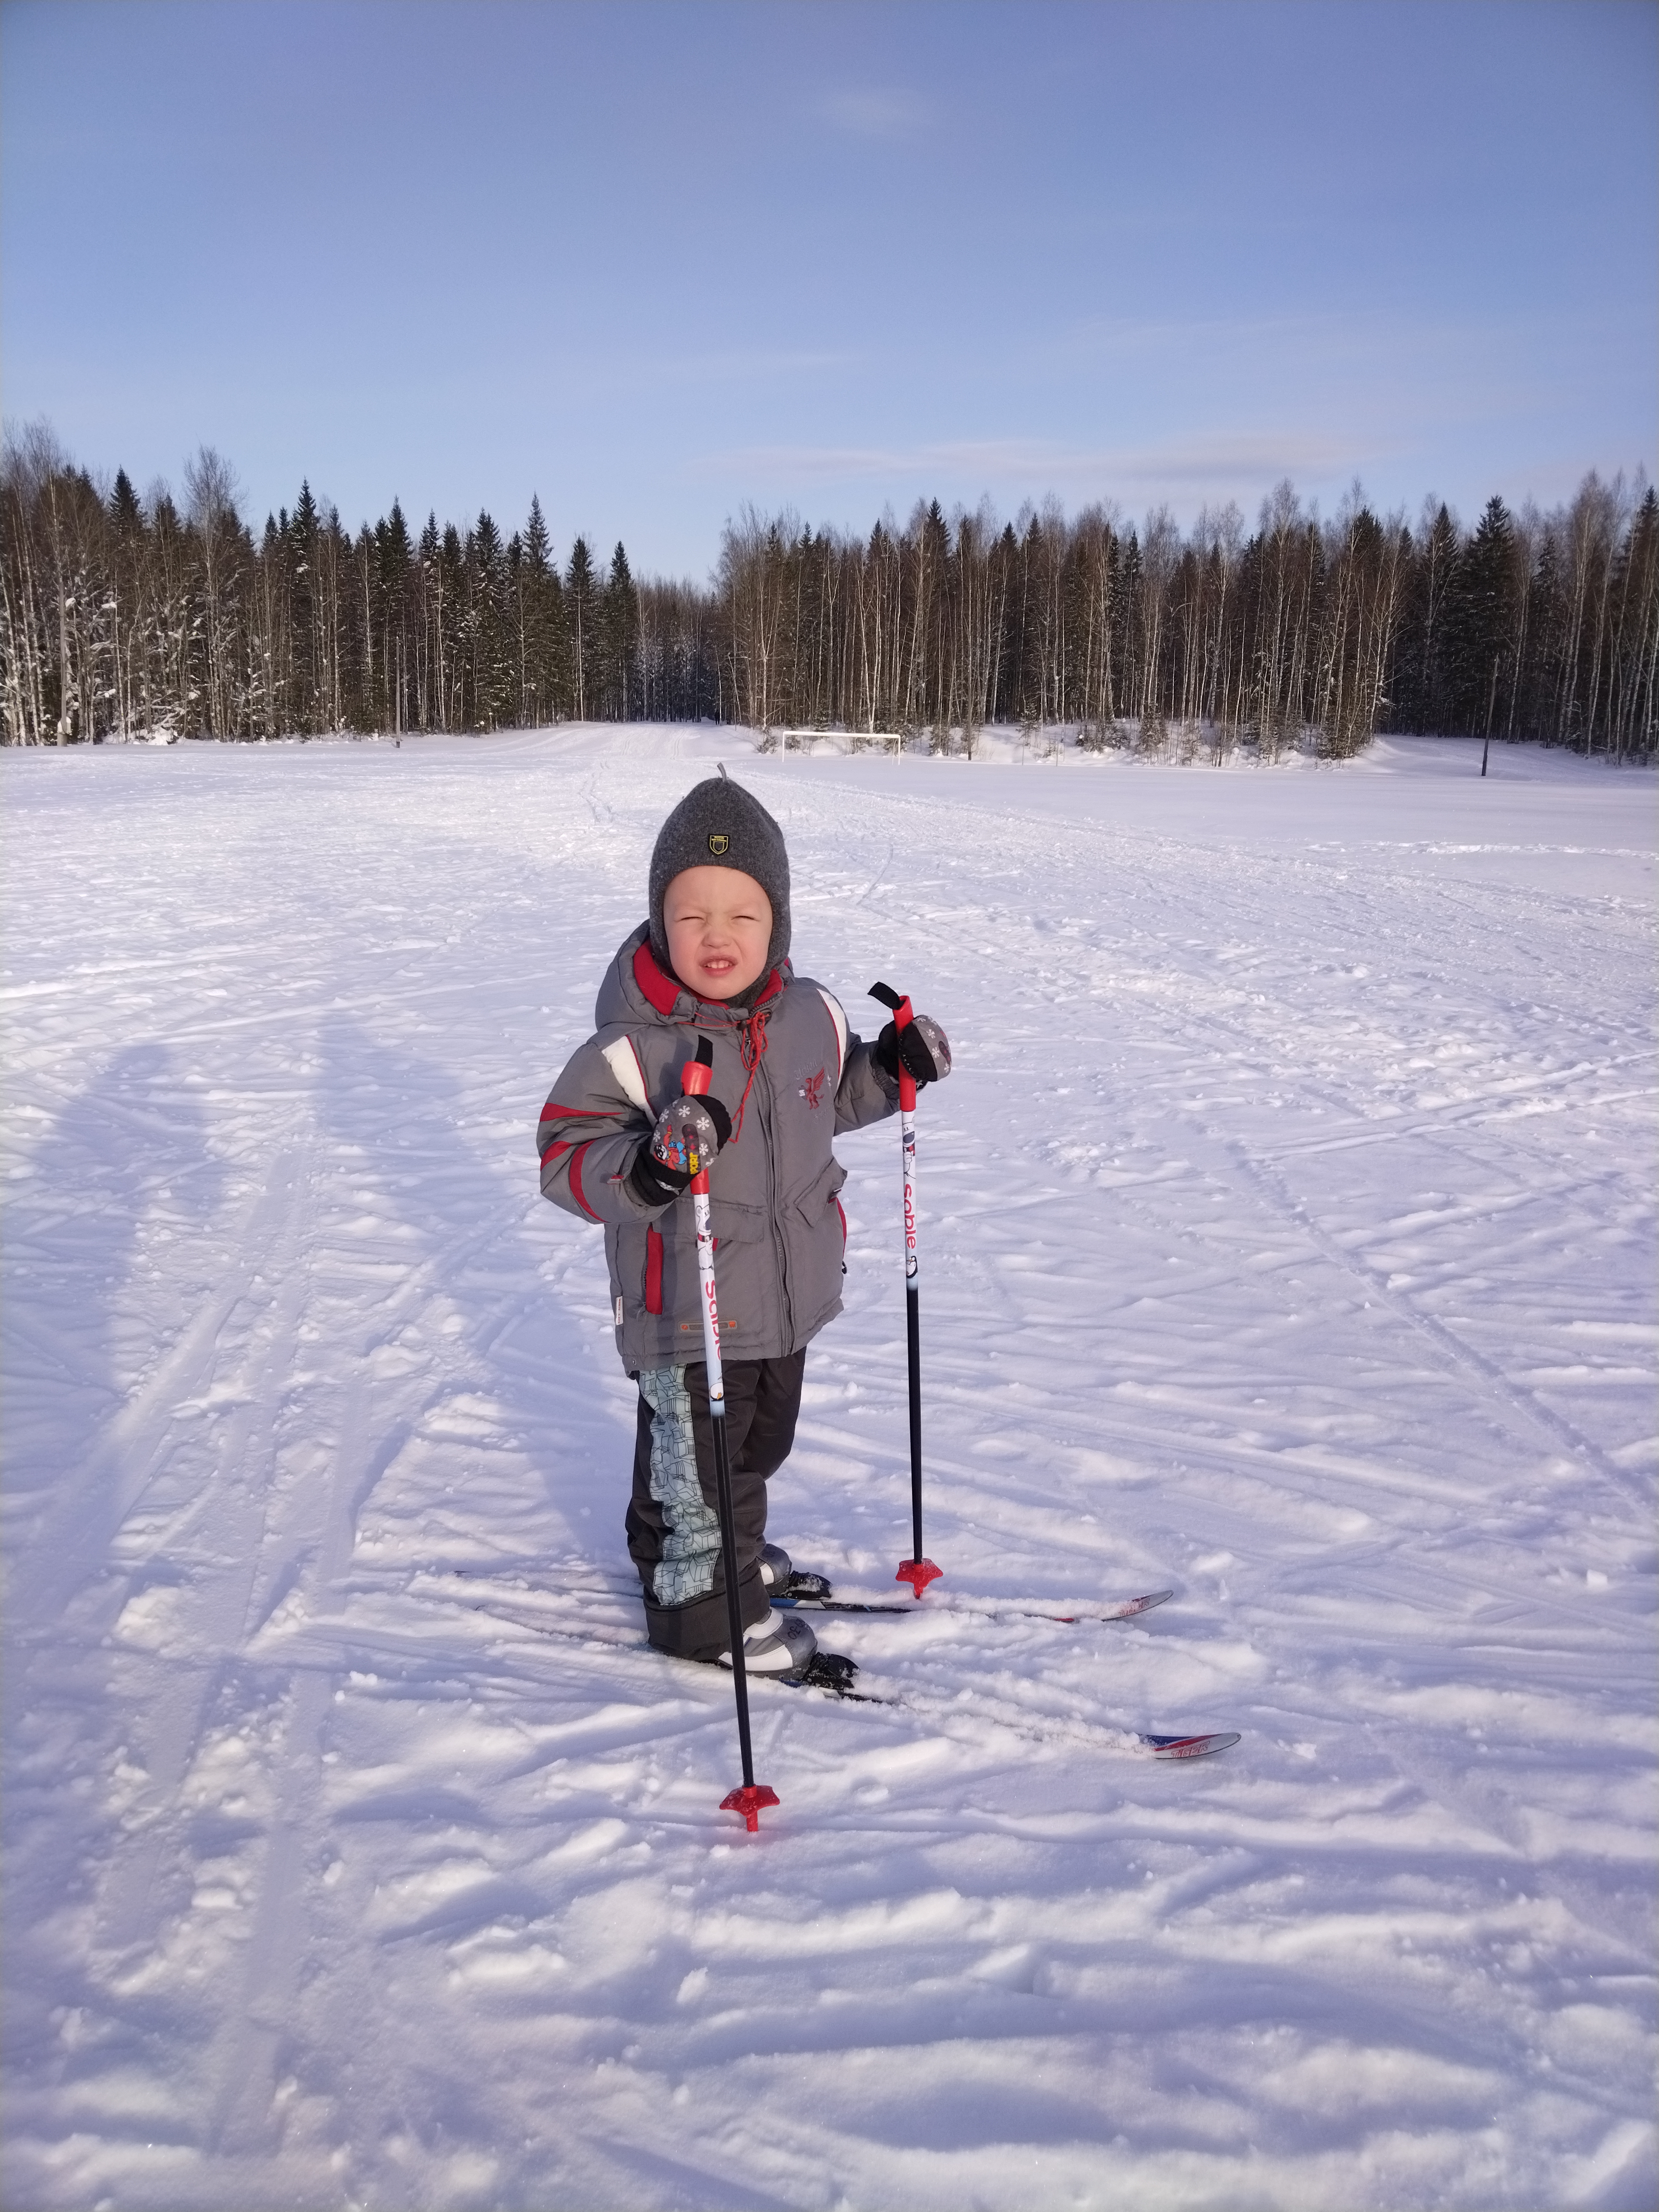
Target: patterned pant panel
692,1542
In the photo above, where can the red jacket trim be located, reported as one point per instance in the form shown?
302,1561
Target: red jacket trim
661,990
553,1150
552,1112
654,1271
576,1190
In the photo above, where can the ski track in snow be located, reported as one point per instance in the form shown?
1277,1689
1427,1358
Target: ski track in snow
1288,1238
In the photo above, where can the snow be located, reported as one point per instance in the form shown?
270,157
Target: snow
1288,1239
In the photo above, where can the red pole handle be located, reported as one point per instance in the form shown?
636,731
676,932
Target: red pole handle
695,1079
900,1010
902,1019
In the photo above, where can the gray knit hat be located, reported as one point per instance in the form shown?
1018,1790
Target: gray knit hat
719,824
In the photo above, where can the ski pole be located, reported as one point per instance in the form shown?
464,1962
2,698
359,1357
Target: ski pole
694,1082
918,1570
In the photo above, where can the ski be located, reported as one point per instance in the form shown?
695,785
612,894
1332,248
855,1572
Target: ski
1190,1746
987,1608
811,1593
830,1671
831,1676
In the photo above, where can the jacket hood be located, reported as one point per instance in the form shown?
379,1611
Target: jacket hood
638,992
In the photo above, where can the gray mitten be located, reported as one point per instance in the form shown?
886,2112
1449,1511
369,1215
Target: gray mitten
689,1133
921,1044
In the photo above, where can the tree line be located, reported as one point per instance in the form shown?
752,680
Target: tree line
122,617
1533,626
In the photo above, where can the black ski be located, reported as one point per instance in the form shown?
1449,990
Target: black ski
792,1598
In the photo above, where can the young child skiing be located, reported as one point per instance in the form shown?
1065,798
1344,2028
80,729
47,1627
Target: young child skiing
615,1137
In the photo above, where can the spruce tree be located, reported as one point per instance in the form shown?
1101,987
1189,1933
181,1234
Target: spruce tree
491,685
1480,624
124,512
545,673
620,621
300,534
126,519
581,602
389,620
538,545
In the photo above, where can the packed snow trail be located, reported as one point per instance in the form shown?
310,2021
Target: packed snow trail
1290,1231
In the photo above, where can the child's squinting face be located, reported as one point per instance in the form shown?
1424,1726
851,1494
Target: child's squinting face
719,925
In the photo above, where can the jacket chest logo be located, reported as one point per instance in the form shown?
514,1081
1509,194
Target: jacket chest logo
812,1089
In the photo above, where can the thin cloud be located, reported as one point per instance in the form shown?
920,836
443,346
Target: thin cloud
876,112
1213,464
723,366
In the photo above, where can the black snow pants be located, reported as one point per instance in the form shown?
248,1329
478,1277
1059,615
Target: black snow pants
673,1520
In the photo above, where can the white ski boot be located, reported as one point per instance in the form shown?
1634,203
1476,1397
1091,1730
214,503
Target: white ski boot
783,1643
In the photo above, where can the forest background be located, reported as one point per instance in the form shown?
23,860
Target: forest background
123,617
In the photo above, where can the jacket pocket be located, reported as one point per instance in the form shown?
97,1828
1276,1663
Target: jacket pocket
736,1222
821,1194
816,1231
653,1270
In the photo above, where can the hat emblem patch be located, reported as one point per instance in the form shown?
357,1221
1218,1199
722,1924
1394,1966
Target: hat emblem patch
719,844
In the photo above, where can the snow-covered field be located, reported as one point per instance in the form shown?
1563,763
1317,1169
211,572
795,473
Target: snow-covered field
1288,1238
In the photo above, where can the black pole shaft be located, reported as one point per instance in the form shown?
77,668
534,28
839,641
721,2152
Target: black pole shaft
734,1605
912,1332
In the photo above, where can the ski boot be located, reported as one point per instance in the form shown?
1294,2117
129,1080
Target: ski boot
782,1582
780,1644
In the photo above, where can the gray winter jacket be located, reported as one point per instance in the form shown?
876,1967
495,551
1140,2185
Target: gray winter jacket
792,1078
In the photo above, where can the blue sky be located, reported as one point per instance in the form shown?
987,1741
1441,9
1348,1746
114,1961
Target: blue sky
653,261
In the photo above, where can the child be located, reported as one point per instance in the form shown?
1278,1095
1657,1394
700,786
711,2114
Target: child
712,961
